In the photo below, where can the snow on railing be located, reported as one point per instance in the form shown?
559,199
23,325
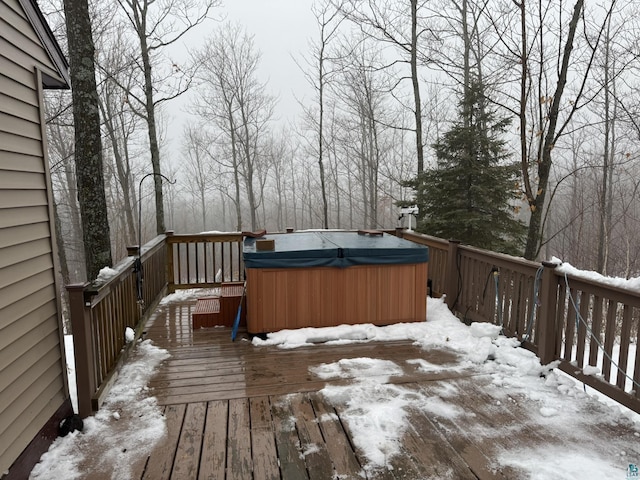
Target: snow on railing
589,324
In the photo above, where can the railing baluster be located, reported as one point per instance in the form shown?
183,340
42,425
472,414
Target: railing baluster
571,326
609,338
625,336
596,331
583,322
205,249
560,317
636,371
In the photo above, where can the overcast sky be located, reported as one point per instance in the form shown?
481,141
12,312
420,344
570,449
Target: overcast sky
282,29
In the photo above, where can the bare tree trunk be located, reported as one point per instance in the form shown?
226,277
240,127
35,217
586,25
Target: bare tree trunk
123,171
154,149
605,190
236,180
88,142
522,112
153,25
416,85
537,199
323,187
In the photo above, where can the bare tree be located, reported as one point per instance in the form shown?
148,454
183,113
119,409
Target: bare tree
363,91
231,96
395,23
158,25
198,170
318,70
120,125
88,140
549,73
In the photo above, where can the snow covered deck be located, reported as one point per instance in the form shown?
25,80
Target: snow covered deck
236,410
432,400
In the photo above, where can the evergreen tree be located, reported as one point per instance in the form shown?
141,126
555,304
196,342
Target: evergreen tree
470,195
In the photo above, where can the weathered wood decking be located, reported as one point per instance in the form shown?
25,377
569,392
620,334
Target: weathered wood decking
236,411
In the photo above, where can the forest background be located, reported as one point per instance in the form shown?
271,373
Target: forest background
384,79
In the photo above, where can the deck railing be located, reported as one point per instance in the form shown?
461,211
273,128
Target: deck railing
204,260
100,315
590,327
578,322
595,332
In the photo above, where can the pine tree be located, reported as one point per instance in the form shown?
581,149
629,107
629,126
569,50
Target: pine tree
470,195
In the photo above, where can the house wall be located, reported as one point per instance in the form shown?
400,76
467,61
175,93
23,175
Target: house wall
32,373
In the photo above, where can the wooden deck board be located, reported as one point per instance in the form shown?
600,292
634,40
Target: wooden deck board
312,443
239,411
263,447
287,441
185,466
341,451
161,460
213,461
239,461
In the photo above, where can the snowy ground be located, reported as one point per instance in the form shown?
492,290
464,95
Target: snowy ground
122,432
130,422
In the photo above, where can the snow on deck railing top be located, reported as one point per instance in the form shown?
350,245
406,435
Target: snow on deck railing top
588,324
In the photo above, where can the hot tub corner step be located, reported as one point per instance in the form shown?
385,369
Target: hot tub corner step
206,313
231,292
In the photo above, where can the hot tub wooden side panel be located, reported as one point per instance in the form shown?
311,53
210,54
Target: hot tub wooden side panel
279,298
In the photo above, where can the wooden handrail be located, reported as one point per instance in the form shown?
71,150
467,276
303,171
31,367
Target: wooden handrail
544,316
204,260
100,314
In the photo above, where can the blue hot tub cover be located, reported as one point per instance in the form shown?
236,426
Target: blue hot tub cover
328,248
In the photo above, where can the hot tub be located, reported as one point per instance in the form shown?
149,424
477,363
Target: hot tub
327,278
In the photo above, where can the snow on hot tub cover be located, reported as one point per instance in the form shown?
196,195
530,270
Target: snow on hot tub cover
328,248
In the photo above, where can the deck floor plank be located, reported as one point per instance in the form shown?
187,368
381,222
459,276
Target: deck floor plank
239,461
338,443
313,444
292,464
433,454
214,443
263,446
186,463
161,459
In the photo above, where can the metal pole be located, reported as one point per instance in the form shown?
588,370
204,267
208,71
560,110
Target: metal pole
138,262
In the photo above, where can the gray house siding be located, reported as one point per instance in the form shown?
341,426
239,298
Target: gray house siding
33,385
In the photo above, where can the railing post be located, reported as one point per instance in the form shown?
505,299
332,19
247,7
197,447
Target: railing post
171,286
80,316
451,275
547,314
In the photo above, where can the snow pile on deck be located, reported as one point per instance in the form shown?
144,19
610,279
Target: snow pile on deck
185,295
476,344
377,412
127,426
